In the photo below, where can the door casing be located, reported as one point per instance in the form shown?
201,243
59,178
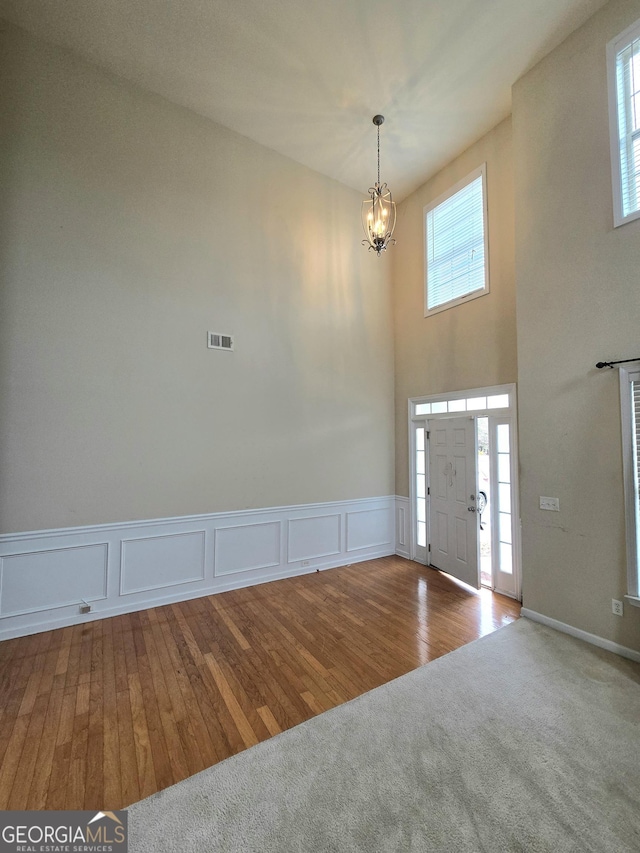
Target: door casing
507,585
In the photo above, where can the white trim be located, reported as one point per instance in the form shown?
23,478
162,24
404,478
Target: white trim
375,541
247,559
412,547
178,519
50,552
403,536
481,171
594,639
516,527
310,555
154,586
511,412
219,570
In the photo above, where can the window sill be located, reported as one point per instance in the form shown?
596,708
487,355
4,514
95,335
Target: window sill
632,599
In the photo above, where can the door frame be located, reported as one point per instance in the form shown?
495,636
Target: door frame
454,404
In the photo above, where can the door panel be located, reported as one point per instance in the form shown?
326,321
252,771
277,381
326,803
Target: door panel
460,480
441,529
453,519
460,437
461,541
439,466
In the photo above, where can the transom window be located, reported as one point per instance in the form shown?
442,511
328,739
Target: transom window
461,404
623,60
456,245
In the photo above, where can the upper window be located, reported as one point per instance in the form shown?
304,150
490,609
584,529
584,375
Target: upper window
456,248
623,59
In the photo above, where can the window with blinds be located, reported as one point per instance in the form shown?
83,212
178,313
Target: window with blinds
630,401
456,246
635,452
623,57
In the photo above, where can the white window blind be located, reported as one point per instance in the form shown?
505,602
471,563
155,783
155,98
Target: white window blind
624,76
630,410
635,440
456,244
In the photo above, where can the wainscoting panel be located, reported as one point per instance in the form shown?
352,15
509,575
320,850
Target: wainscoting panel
47,576
41,580
156,562
369,528
245,547
402,527
312,537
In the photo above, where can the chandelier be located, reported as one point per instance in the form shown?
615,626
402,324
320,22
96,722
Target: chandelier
378,211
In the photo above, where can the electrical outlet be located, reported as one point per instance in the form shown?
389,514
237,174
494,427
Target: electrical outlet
616,607
305,562
552,504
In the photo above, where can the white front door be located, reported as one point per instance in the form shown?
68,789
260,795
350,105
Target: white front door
452,514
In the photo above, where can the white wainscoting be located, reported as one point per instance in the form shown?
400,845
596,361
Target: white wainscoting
366,527
156,562
80,573
314,536
117,568
403,530
245,547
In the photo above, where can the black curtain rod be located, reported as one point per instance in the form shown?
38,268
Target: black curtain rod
602,364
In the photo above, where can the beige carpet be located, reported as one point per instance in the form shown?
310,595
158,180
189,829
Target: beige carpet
526,740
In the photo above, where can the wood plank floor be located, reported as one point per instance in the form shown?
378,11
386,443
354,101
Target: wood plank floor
100,715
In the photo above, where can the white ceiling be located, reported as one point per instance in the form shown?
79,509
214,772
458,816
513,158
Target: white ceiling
305,77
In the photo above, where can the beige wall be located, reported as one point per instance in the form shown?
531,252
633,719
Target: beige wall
471,345
130,227
578,302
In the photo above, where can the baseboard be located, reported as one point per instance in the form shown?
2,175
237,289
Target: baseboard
45,576
594,639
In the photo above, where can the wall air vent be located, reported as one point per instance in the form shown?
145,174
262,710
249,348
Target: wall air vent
217,341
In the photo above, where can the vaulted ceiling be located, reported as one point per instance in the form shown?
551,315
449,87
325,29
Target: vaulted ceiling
305,78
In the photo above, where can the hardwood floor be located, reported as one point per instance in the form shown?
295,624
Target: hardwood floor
100,715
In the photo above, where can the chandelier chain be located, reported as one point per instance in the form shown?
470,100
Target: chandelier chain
378,155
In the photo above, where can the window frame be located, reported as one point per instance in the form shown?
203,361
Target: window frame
614,47
481,171
631,498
